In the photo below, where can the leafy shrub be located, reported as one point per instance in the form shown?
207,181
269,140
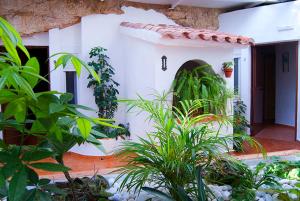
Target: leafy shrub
202,83
105,92
244,181
173,154
284,169
240,125
49,116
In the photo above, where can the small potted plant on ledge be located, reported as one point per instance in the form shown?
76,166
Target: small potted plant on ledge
227,68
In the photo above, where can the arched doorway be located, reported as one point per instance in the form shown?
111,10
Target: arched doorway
196,79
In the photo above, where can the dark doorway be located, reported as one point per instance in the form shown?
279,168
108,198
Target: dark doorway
274,90
10,135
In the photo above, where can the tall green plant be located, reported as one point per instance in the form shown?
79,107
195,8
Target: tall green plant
202,83
179,149
105,92
240,124
58,124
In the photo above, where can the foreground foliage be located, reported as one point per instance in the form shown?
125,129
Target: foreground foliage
174,156
48,116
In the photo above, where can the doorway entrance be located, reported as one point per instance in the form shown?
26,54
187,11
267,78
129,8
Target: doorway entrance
274,91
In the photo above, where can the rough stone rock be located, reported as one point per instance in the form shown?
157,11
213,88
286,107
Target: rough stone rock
35,16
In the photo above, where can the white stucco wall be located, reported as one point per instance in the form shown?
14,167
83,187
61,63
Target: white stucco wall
265,24
103,30
39,39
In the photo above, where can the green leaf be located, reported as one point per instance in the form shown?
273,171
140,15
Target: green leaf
33,177
157,193
37,155
3,79
44,181
2,179
30,195
14,36
77,65
43,196
56,107
66,97
52,167
84,126
17,109
98,134
23,84
28,73
17,186
11,49
7,96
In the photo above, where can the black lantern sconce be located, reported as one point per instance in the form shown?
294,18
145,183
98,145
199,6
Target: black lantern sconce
164,63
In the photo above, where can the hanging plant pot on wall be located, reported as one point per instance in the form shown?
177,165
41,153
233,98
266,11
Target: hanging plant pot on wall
227,68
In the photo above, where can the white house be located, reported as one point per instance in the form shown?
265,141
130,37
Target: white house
266,74
136,42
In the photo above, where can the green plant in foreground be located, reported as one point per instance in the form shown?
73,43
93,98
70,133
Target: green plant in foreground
174,156
46,115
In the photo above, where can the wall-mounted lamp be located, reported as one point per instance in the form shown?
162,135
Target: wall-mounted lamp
164,63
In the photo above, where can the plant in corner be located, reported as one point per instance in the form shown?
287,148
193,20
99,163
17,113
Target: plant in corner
240,124
48,115
105,92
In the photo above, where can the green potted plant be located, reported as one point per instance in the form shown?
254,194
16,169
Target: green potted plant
105,93
227,68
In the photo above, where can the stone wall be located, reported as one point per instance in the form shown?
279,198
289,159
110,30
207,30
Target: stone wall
35,16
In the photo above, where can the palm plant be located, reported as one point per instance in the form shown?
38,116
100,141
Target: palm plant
175,152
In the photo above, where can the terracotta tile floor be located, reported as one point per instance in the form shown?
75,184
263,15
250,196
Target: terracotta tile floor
277,132
84,165
276,140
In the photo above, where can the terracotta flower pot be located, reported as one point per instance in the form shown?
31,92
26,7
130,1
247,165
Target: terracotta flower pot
228,72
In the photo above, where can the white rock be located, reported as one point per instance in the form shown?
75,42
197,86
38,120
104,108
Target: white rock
226,195
260,194
286,186
293,196
293,182
284,181
268,197
111,180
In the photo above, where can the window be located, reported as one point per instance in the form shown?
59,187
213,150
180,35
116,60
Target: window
71,85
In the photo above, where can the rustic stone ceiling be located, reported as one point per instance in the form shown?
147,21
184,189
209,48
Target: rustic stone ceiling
35,16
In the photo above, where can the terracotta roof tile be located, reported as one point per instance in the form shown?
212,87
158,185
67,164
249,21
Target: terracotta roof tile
180,32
